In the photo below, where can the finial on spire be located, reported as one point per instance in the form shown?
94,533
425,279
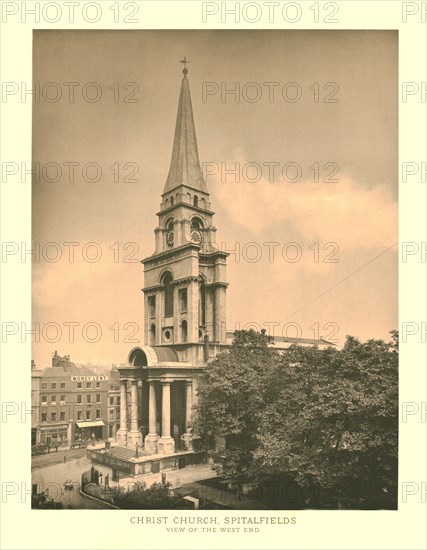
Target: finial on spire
185,70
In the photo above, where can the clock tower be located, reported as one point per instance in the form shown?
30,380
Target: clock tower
185,278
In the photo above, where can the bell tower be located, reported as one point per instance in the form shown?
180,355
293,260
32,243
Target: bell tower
185,278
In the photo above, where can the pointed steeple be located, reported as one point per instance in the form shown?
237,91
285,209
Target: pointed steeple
185,165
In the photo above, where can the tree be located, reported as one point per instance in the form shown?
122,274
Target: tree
231,398
336,411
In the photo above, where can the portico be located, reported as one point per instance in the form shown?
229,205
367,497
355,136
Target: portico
168,390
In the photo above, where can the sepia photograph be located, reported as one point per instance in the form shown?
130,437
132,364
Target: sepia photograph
213,275
214,270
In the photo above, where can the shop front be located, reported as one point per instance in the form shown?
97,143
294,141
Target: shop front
90,429
54,434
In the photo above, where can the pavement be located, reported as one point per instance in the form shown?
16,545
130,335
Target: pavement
56,457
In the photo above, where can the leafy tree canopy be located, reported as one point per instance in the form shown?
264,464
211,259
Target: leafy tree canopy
334,411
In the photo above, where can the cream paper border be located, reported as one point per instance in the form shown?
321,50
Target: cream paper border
22,527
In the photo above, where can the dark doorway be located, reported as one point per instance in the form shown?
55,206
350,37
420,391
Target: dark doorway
178,398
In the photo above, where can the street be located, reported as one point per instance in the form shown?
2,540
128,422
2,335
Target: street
53,477
56,457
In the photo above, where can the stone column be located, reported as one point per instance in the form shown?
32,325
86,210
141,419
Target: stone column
188,404
219,314
123,431
134,436
166,442
187,437
152,438
134,406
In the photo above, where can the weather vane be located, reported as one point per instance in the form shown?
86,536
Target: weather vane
185,70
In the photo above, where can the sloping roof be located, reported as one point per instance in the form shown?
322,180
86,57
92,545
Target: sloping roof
302,341
165,354
77,369
185,164
288,340
66,370
53,372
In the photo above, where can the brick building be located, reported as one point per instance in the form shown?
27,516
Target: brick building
70,401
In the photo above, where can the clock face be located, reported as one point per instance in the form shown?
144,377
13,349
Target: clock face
196,236
169,237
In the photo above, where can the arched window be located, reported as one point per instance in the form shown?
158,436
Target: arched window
196,200
152,335
184,331
167,282
172,201
196,223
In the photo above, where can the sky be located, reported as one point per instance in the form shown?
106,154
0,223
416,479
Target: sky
316,251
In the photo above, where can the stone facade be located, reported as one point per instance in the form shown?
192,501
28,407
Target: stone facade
184,306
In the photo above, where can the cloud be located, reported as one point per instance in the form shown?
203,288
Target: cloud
349,212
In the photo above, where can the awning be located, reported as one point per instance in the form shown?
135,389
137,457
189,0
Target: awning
92,424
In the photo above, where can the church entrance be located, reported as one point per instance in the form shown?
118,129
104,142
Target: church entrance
178,399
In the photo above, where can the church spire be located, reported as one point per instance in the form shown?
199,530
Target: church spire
185,165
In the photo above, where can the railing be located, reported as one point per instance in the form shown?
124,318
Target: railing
105,459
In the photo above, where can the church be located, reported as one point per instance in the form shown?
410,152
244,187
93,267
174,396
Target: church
184,290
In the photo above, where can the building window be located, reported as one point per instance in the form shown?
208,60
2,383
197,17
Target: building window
196,200
112,414
62,385
88,415
118,400
88,398
53,399
44,399
98,398
111,400
98,413
167,282
89,385
44,386
152,335
53,417
183,300
62,398
79,399
53,386
44,417
152,306
79,415
184,331
79,385
62,416
98,385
